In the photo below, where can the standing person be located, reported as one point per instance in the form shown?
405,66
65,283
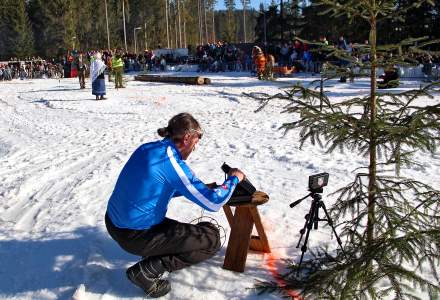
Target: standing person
108,62
390,78
427,67
342,43
22,72
307,59
323,40
259,61
135,218
163,63
7,73
270,63
118,68
97,68
82,67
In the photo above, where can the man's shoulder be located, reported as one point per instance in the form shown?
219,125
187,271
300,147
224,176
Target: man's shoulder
151,145
160,147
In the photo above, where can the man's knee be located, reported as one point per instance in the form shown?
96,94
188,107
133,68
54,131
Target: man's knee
213,235
208,224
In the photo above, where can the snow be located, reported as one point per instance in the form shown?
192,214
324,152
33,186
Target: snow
61,152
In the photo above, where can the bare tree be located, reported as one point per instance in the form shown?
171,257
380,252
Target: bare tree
245,3
167,25
199,13
180,23
206,23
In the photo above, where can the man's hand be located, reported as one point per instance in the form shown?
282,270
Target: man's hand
236,172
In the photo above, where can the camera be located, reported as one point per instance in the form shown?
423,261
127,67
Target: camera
245,187
225,168
317,182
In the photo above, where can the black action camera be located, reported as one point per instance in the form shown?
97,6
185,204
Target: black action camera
317,182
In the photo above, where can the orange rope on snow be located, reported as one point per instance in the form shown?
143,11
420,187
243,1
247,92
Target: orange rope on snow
270,259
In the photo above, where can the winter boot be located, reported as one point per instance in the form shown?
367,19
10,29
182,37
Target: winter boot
146,275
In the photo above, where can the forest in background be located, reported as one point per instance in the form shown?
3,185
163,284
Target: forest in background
49,28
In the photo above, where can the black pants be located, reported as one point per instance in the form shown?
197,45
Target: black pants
81,77
178,245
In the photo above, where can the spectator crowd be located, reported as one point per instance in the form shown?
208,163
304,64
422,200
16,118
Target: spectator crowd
211,57
30,68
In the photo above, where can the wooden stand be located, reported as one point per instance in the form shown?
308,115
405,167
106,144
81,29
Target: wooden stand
241,239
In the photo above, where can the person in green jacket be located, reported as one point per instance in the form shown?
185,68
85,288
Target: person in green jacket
118,69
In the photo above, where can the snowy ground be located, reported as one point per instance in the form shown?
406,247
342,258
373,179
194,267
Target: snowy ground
61,152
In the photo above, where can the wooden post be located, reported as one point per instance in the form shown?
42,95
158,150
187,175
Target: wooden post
241,239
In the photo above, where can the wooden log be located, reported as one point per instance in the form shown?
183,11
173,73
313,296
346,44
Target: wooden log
175,79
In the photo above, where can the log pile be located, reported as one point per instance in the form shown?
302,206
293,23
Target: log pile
198,80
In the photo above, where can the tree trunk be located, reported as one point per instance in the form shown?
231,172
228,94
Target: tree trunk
167,25
123,20
176,31
184,25
372,184
180,24
197,80
282,20
200,22
145,36
206,22
106,20
213,25
244,20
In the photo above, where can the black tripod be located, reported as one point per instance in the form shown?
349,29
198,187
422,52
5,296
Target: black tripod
312,219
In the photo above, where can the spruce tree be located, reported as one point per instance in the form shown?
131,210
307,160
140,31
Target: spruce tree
16,30
38,25
294,19
59,30
231,26
390,224
268,24
4,31
245,4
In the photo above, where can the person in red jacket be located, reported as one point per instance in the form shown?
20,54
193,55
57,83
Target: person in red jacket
259,61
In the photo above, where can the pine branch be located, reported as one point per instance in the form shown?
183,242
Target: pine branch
402,127
390,224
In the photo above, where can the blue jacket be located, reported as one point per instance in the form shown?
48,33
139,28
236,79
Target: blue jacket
153,175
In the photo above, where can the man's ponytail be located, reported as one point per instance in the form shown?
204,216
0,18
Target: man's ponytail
178,126
164,132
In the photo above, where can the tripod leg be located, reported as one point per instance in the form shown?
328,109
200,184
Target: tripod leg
330,222
309,225
308,217
304,246
316,217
